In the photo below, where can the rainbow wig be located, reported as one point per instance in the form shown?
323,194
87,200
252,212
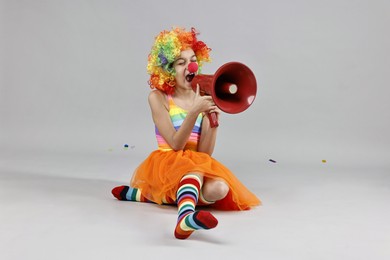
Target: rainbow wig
166,48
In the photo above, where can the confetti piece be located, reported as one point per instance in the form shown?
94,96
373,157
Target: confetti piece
126,146
272,160
324,161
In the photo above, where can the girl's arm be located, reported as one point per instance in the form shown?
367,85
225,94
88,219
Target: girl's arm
159,107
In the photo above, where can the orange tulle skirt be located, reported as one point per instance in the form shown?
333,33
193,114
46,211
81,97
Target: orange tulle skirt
158,177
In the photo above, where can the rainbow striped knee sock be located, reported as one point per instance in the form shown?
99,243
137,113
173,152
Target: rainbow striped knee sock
190,220
133,194
128,193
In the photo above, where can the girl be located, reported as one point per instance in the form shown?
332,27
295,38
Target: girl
182,170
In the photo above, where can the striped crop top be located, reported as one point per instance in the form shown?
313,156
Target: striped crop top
177,115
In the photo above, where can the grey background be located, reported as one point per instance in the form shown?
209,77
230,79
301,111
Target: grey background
73,91
73,76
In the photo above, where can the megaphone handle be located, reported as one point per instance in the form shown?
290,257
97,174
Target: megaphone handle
213,119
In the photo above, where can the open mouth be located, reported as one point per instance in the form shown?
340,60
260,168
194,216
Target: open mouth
190,77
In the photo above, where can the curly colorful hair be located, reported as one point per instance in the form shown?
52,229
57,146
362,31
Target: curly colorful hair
166,48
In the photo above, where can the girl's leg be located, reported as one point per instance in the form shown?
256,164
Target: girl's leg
133,194
190,220
213,190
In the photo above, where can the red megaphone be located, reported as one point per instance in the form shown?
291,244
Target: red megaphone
233,88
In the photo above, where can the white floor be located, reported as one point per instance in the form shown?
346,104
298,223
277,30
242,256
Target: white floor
57,207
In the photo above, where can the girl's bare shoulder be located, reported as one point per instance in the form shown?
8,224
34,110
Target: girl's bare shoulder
158,98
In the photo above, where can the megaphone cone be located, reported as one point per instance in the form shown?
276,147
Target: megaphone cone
233,88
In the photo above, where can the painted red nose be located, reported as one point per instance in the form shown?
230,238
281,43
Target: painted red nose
193,67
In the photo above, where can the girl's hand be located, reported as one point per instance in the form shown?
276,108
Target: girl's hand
202,103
